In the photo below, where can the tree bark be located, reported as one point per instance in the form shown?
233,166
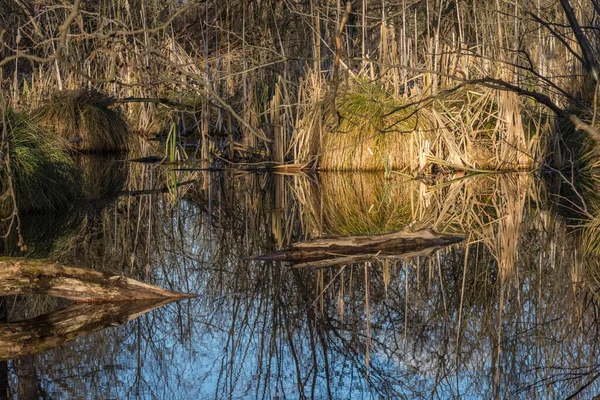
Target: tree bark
324,251
23,276
590,62
48,331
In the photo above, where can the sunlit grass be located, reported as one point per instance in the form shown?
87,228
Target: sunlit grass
372,130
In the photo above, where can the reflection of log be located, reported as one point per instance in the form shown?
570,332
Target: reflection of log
22,276
361,258
349,247
54,329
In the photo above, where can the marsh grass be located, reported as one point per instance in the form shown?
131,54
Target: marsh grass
369,129
364,127
86,118
45,178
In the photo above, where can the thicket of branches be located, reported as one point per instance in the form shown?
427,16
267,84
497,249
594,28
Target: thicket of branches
251,73
229,54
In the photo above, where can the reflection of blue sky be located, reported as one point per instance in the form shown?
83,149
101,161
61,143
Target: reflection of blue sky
186,351
249,333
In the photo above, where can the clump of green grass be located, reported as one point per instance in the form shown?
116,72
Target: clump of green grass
44,177
373,130
87,119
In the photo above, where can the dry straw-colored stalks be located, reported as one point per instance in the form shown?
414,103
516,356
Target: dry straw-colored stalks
411,50
482,129
86,118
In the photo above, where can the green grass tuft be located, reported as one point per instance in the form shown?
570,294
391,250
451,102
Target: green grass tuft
373,130
45,178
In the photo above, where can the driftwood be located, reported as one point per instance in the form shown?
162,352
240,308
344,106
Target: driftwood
54,329
325,252
23,276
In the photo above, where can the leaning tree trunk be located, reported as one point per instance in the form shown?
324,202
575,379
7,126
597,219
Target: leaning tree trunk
23,276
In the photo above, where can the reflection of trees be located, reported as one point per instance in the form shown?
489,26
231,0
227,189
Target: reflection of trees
450,325
4,385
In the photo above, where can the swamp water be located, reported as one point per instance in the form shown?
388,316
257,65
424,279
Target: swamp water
511,312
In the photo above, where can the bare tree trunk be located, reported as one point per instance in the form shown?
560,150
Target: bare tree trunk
22,276
589,59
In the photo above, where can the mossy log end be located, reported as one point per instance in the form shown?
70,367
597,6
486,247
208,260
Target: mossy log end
24,276
54,329
397,243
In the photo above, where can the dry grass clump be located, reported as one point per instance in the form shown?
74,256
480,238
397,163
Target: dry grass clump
482,129
372,130
43,176
86,118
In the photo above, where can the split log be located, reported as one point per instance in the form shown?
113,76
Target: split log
23,276
56,328
333,250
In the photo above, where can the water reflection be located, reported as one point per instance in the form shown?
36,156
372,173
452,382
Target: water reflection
512,312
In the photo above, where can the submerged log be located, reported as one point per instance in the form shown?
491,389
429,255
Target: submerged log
333,250
56,328
23,276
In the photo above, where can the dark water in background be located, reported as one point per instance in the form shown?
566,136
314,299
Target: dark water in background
509,313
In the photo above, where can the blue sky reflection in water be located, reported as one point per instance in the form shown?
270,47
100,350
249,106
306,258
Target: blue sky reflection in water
511,312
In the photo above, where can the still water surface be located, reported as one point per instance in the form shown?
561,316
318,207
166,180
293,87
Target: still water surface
509,313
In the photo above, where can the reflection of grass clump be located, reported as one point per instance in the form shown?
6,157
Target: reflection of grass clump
44,177
363,204
103,175
86,118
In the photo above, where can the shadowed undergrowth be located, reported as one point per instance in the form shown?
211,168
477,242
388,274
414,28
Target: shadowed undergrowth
44,177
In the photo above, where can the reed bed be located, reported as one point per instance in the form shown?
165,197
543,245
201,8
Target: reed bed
351,97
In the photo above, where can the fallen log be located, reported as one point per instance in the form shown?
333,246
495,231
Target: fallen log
332,250
56,328
339,260
24,276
